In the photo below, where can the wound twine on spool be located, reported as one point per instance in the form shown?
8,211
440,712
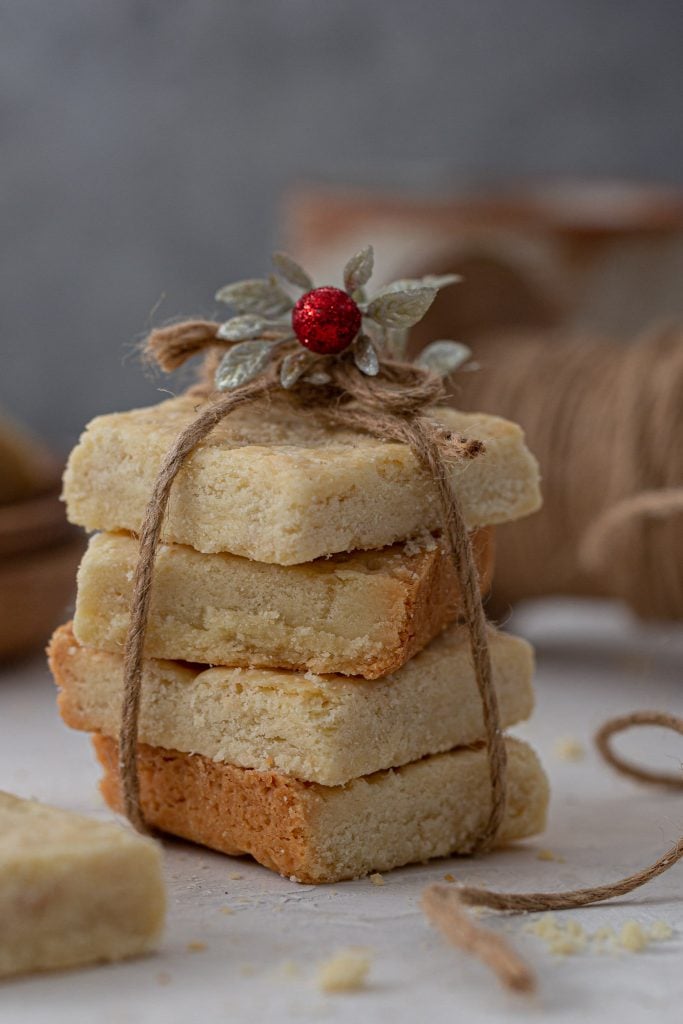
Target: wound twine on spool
390,406
605,422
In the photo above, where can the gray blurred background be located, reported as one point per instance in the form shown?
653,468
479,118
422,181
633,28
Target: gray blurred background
146,146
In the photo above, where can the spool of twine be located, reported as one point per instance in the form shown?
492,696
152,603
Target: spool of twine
392,406
606,424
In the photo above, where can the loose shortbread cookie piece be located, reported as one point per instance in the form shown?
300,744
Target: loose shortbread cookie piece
73,890
313,833
323,729
277,485
359,614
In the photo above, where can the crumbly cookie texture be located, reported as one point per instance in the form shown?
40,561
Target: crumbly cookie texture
73,890
326,729
277,485
359,614
312,833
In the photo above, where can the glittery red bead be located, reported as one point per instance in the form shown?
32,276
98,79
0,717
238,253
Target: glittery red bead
326,320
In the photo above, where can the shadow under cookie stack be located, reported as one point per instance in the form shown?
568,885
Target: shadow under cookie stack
308,694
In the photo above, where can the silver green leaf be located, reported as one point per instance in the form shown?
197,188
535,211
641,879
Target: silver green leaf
406,284
241,328
294,366
259,295
396,342
291,271
440,280
443,357
401,308
318,377
365,356
242,363
358,270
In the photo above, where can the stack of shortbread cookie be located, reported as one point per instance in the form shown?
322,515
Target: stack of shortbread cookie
308,694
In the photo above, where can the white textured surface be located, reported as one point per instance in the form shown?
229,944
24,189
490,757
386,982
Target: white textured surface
260,960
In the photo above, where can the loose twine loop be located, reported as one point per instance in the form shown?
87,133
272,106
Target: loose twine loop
391,406
605,733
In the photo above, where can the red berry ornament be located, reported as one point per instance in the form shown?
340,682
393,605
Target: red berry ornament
326,320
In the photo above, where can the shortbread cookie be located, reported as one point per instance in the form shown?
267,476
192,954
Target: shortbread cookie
364,614
280,485
313,833
325,729
73,890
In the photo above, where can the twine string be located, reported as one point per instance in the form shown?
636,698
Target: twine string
446,911
460,547
604,735
150,534
445,906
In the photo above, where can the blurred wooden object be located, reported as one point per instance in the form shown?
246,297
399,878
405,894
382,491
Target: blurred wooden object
604,256
39,551
25,464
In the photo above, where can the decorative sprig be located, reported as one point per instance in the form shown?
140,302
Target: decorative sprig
263,324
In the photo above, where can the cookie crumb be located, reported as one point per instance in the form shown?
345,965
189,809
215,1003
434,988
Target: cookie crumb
633,937
377,879
568,748
346,971
288,969
562,939
604,934
226,910
660,931
234,876
566,937
424,541
449,877
196,947
550,855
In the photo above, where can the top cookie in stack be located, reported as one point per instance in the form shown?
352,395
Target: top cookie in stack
293,548
275,484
